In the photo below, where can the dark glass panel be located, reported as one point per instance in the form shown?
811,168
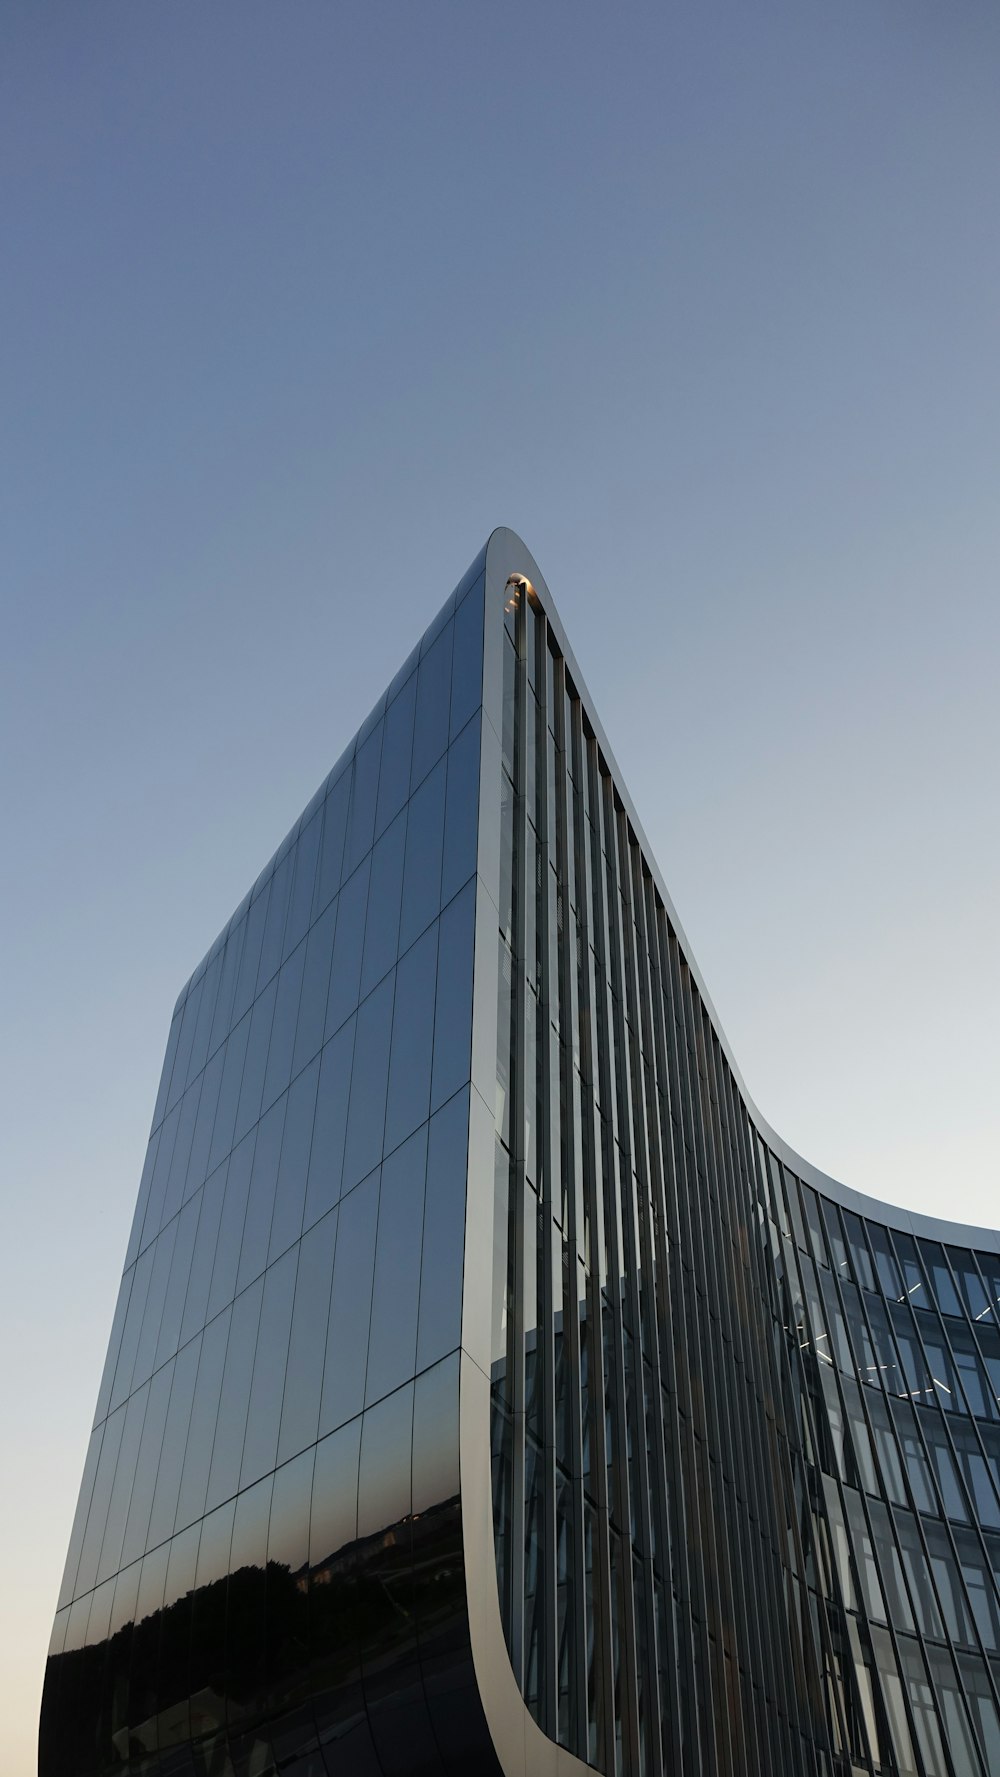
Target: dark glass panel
245,1626
205,1122
260,1198
163,1252
178,1280
141,1501
942,1284
203,1029
260,1445
315,989
453,1015
326,1159
255,1062
293,1166
274,927
348,945
467,664
307,1343
385,1589
246,984
397,745
176,1189
174,1687
286,1012
385,890
174,1445
332,849
461,826
292,1728
300,906
440,1317
440,1602
369,1082
409,1089
234,1400
350,1307
423,860
339,1703
971,1286
229,1093
392,1342
110,1559
230,1237
203,1415
144,1675
97,1517
364,792
208,1636
430,726
209,1210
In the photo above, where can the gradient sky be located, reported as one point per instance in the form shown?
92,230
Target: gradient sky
297,302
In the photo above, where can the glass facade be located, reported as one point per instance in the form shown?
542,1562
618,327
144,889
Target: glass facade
489,1387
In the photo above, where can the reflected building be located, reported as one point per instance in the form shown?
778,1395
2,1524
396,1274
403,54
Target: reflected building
490,1388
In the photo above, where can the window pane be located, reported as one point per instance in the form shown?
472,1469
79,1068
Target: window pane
440,1319
345,976
307,1344
382,921
260,1446
326,1160
369,1082
453,1016
293,1167
412,1041
394,779
424,846
393,1341
350,1307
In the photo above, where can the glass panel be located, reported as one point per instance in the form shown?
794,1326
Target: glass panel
409,1089
422,864
286,1012
394,778
461,827
453,1015
440,1320
326,1159
350,1307
260,1200
234,1209
382,923
467,664
175,1443
334,833
345,977
204,1412
430,727
369,1081
293,1167
307,1344
260,1447
229,1093
315,989
234,1400
361,826
393,1339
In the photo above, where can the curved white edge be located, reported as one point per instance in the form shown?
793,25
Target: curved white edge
505,555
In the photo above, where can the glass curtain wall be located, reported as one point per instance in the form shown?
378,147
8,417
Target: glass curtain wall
746,1444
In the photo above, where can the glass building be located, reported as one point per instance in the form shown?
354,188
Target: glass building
490,1388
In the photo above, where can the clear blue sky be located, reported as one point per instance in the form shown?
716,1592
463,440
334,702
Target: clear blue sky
297,302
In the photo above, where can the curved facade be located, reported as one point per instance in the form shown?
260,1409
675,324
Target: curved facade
490,1389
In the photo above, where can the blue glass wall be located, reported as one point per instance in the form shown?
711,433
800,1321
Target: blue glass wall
265,1569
